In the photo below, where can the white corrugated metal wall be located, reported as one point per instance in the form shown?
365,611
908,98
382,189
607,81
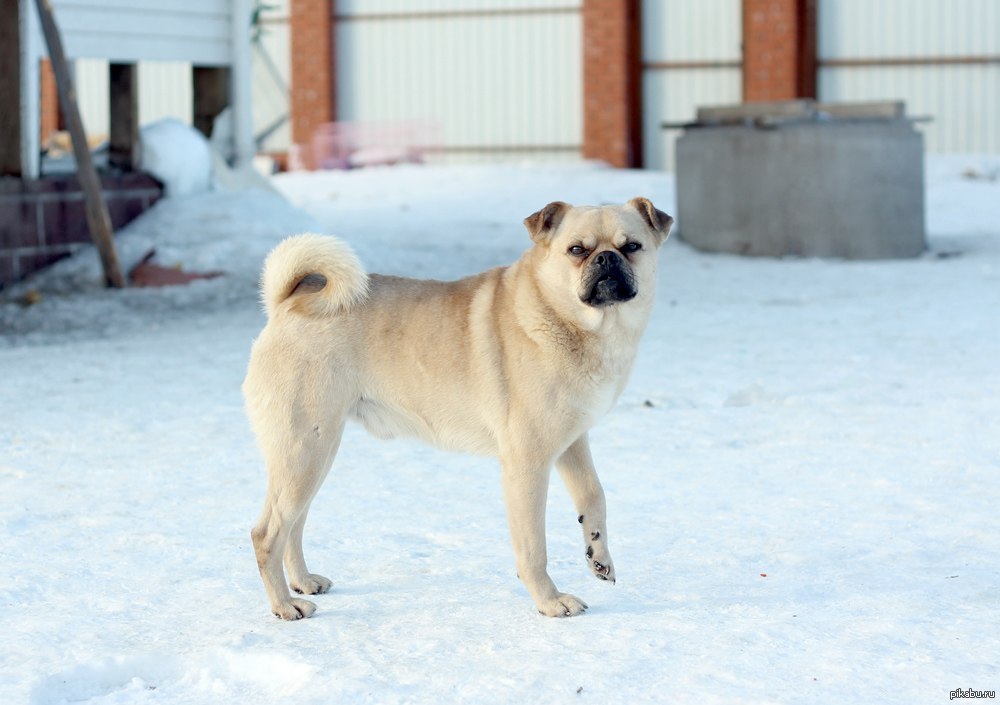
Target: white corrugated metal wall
941,56
692,55
498,80
504,80
272,77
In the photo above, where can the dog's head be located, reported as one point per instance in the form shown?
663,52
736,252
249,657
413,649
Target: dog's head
602,256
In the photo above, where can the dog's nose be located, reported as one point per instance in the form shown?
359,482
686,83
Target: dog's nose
606,258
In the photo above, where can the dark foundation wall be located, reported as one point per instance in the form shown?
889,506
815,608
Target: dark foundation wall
43,220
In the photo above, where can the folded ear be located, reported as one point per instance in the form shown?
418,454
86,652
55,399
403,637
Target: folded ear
542,224
658,221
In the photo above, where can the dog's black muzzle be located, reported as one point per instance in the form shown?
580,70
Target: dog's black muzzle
609,280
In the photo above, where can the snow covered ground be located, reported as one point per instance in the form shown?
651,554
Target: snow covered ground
803,476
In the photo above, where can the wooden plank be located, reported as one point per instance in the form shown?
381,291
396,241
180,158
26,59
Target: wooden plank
752,111
10,88
98,220
123,142
887,109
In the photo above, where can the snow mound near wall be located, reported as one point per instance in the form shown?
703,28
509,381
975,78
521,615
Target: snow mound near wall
178,156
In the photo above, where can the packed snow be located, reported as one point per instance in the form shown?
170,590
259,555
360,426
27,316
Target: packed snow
803,476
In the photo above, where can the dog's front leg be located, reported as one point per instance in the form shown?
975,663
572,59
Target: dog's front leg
525,486
576,466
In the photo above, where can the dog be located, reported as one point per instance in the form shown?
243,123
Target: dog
517,362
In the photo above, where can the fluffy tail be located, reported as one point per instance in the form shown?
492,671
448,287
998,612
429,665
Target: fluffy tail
313,275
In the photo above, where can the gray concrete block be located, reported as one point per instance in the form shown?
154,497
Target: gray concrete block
851,189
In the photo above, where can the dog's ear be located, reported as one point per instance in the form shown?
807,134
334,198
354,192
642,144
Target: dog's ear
658,221
542,224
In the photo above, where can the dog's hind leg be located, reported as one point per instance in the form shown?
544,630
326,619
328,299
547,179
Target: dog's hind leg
576,466
295,473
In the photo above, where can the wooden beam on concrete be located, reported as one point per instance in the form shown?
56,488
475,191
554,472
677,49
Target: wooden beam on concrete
123,142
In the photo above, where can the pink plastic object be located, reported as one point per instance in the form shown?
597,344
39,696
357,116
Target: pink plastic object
348,145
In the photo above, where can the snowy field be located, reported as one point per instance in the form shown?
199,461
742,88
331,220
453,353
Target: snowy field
803,476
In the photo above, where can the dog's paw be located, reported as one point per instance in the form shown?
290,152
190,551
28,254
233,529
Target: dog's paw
294,609
600,562
311,585
562,605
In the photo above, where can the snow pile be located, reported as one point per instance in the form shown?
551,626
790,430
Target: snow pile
802,477
228,231
177,155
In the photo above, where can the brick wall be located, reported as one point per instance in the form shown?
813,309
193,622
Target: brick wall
611,82
42,221
779,49
50,100
312,93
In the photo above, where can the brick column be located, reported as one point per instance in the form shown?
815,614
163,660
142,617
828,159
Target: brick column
312,99
50,101
612,102
779,49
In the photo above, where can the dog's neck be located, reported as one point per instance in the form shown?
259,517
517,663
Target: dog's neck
591,335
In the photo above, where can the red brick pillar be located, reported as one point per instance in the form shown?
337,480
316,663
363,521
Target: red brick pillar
312,91
612,103
779,49
49,109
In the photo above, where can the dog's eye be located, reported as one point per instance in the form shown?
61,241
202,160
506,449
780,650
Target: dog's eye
631,247
577,251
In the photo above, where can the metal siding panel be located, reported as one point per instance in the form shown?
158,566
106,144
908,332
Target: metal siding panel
896,28
126,49
145,30
135,23
366,7
93,95
460,72
270,91
165,91
964,100
708,30
674,96
183,7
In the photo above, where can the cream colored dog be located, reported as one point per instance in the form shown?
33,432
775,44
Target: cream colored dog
517,362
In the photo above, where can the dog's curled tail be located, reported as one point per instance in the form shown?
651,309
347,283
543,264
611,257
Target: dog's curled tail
312,274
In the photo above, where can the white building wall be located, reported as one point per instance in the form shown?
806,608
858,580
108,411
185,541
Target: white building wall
496,83
962,98
691,53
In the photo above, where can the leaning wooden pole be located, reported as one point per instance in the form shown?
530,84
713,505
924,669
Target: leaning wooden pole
98,220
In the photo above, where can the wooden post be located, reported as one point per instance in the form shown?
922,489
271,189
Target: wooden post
210,96
98,220
10,88
123,143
